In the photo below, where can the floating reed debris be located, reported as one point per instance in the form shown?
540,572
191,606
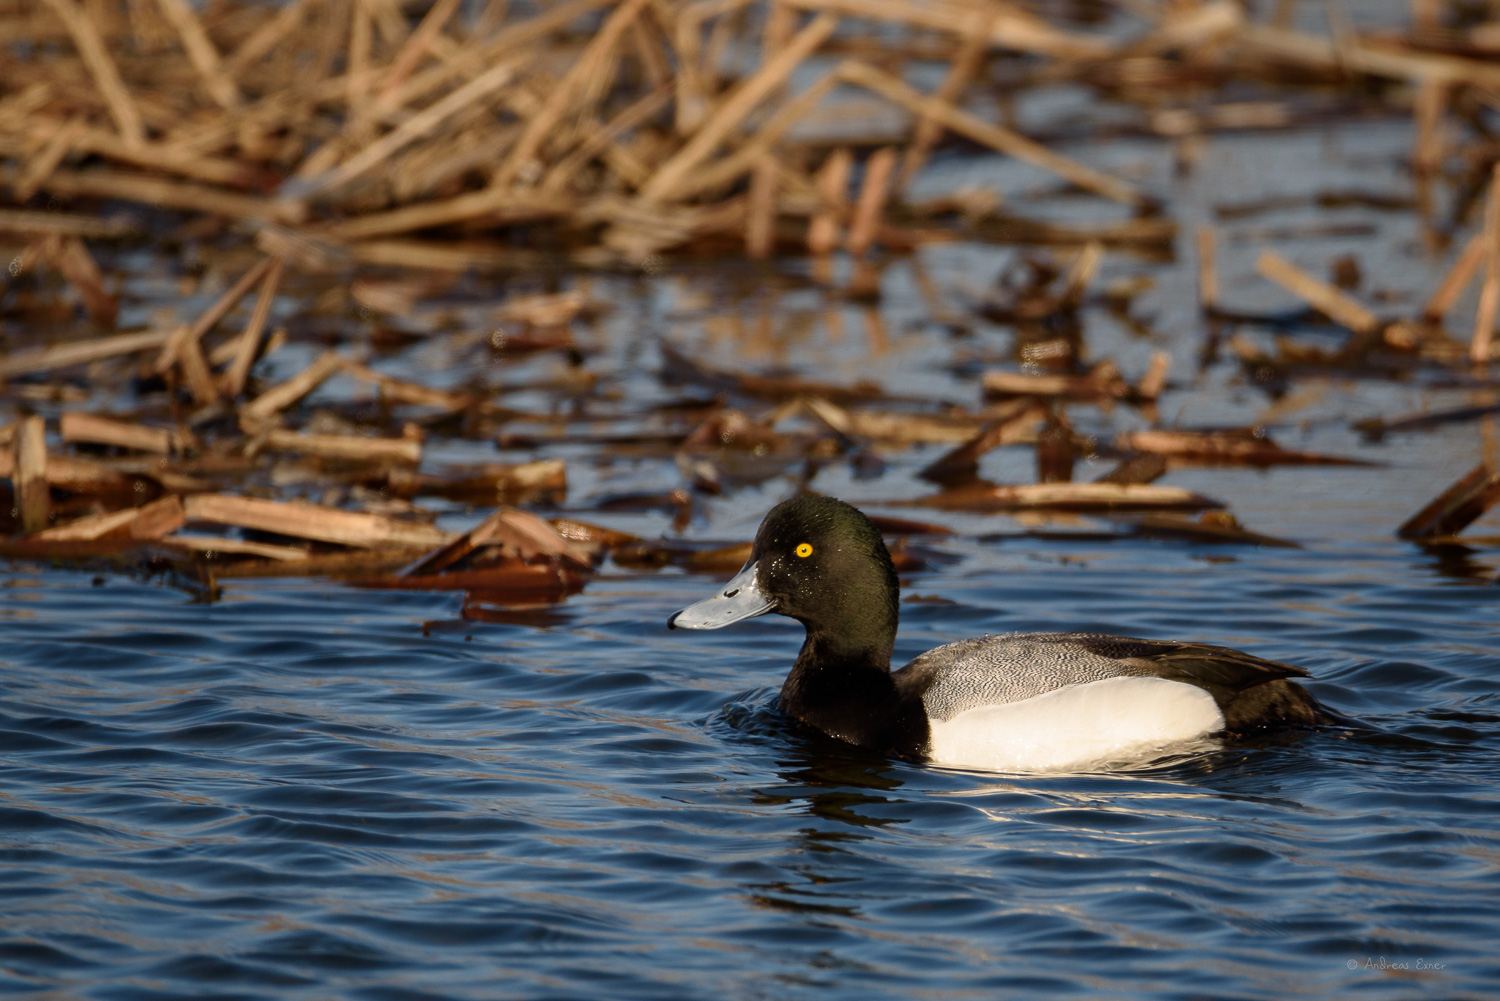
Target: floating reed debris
319,160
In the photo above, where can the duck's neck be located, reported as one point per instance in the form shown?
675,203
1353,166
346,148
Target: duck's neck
845,691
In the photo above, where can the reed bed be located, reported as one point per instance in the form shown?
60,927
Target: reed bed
373,152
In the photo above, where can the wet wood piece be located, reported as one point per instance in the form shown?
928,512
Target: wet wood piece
510,533
80,352
102,67
147,523
890,428
284,394
1489,292
510,583
95,429
1065,497
664,183
1338,306
212,315
1002,25
311,521
249,342
345,447
67,224
994,136
1012,424
85,477
1375,428
488,484
1451,511
1103,381
30,474
1247,446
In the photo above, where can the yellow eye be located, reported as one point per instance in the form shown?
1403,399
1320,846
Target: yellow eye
804,549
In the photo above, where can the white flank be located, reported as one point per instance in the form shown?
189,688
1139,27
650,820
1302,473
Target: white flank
1114,720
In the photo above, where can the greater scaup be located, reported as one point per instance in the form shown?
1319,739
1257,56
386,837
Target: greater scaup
1022,701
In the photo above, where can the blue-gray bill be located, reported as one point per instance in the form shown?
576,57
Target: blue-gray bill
741,598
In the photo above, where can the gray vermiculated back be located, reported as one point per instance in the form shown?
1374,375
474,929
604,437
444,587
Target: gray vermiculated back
992,670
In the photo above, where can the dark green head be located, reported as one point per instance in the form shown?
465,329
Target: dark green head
821,562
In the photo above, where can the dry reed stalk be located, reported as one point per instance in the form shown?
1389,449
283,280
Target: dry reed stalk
1010,27
1080,273
249,341
1456,280
201,52
357,70
741,101
210,316
1013,423
158,156
650,50
495,205
147,523
563,95
78,266
442,256
1208,274
93,429
641,110
961,71
1489,292
346,447
1339,307
1427,140
90,528
33,496
65,224
1451,511
1353,55
311,521
744,157
195,371
994,136
284,394
102,68
491,17
267,37
1068,497
160,193
476,58
212,545
871,202
58,145
760,223
833,183
79,353
409,392
417,45
1155,379
419,126
1095,385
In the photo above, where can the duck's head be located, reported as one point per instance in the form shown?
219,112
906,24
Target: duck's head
819,561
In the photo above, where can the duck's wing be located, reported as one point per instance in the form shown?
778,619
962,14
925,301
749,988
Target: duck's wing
994,670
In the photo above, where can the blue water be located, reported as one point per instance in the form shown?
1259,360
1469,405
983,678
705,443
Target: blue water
305,790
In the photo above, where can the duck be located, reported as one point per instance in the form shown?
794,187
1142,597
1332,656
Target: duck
1027,701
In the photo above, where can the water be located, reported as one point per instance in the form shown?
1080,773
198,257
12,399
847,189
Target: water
308,791
301,792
